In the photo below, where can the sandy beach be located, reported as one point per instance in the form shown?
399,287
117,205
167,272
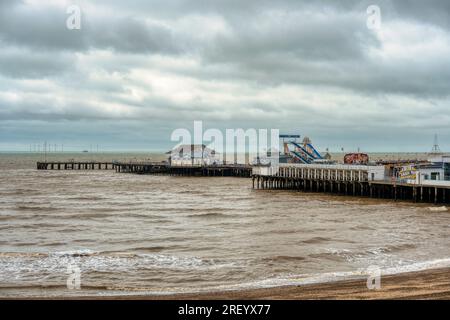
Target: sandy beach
428,284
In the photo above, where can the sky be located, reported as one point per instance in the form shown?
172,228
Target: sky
137,70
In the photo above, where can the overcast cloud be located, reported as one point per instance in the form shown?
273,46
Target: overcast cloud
139,69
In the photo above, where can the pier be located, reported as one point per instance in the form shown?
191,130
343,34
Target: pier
231,170
75,165
350,180
243,171
142,167
225,170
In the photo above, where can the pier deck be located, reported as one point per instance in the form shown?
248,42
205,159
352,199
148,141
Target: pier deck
347,180
165,168
229,170
74,165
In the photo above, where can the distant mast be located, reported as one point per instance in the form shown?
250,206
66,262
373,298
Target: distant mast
436,149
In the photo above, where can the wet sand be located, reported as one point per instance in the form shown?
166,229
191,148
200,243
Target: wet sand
429,284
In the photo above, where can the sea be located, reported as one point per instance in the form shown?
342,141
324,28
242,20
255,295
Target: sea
101,233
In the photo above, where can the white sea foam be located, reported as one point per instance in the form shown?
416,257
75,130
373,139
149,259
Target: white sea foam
339,276
26,265
438,209
297,280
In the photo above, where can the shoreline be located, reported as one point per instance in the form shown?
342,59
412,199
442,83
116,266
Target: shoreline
416,285
426,284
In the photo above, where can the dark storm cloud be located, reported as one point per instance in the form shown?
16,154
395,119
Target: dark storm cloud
436,12
270,62
433,11
20,63
44,28
37,28
322,43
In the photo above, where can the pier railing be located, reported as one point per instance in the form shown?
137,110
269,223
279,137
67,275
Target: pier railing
320,172
147,167
75,165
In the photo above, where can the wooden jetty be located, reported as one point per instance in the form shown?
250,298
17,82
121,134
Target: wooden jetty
188,170
142,167
229,170
363,181
75,165
243,171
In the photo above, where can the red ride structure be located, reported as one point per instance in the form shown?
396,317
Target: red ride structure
356,158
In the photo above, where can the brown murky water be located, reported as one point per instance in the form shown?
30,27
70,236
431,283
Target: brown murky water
137,234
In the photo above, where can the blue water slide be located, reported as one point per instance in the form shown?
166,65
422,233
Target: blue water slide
300,157
312,157
315,152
